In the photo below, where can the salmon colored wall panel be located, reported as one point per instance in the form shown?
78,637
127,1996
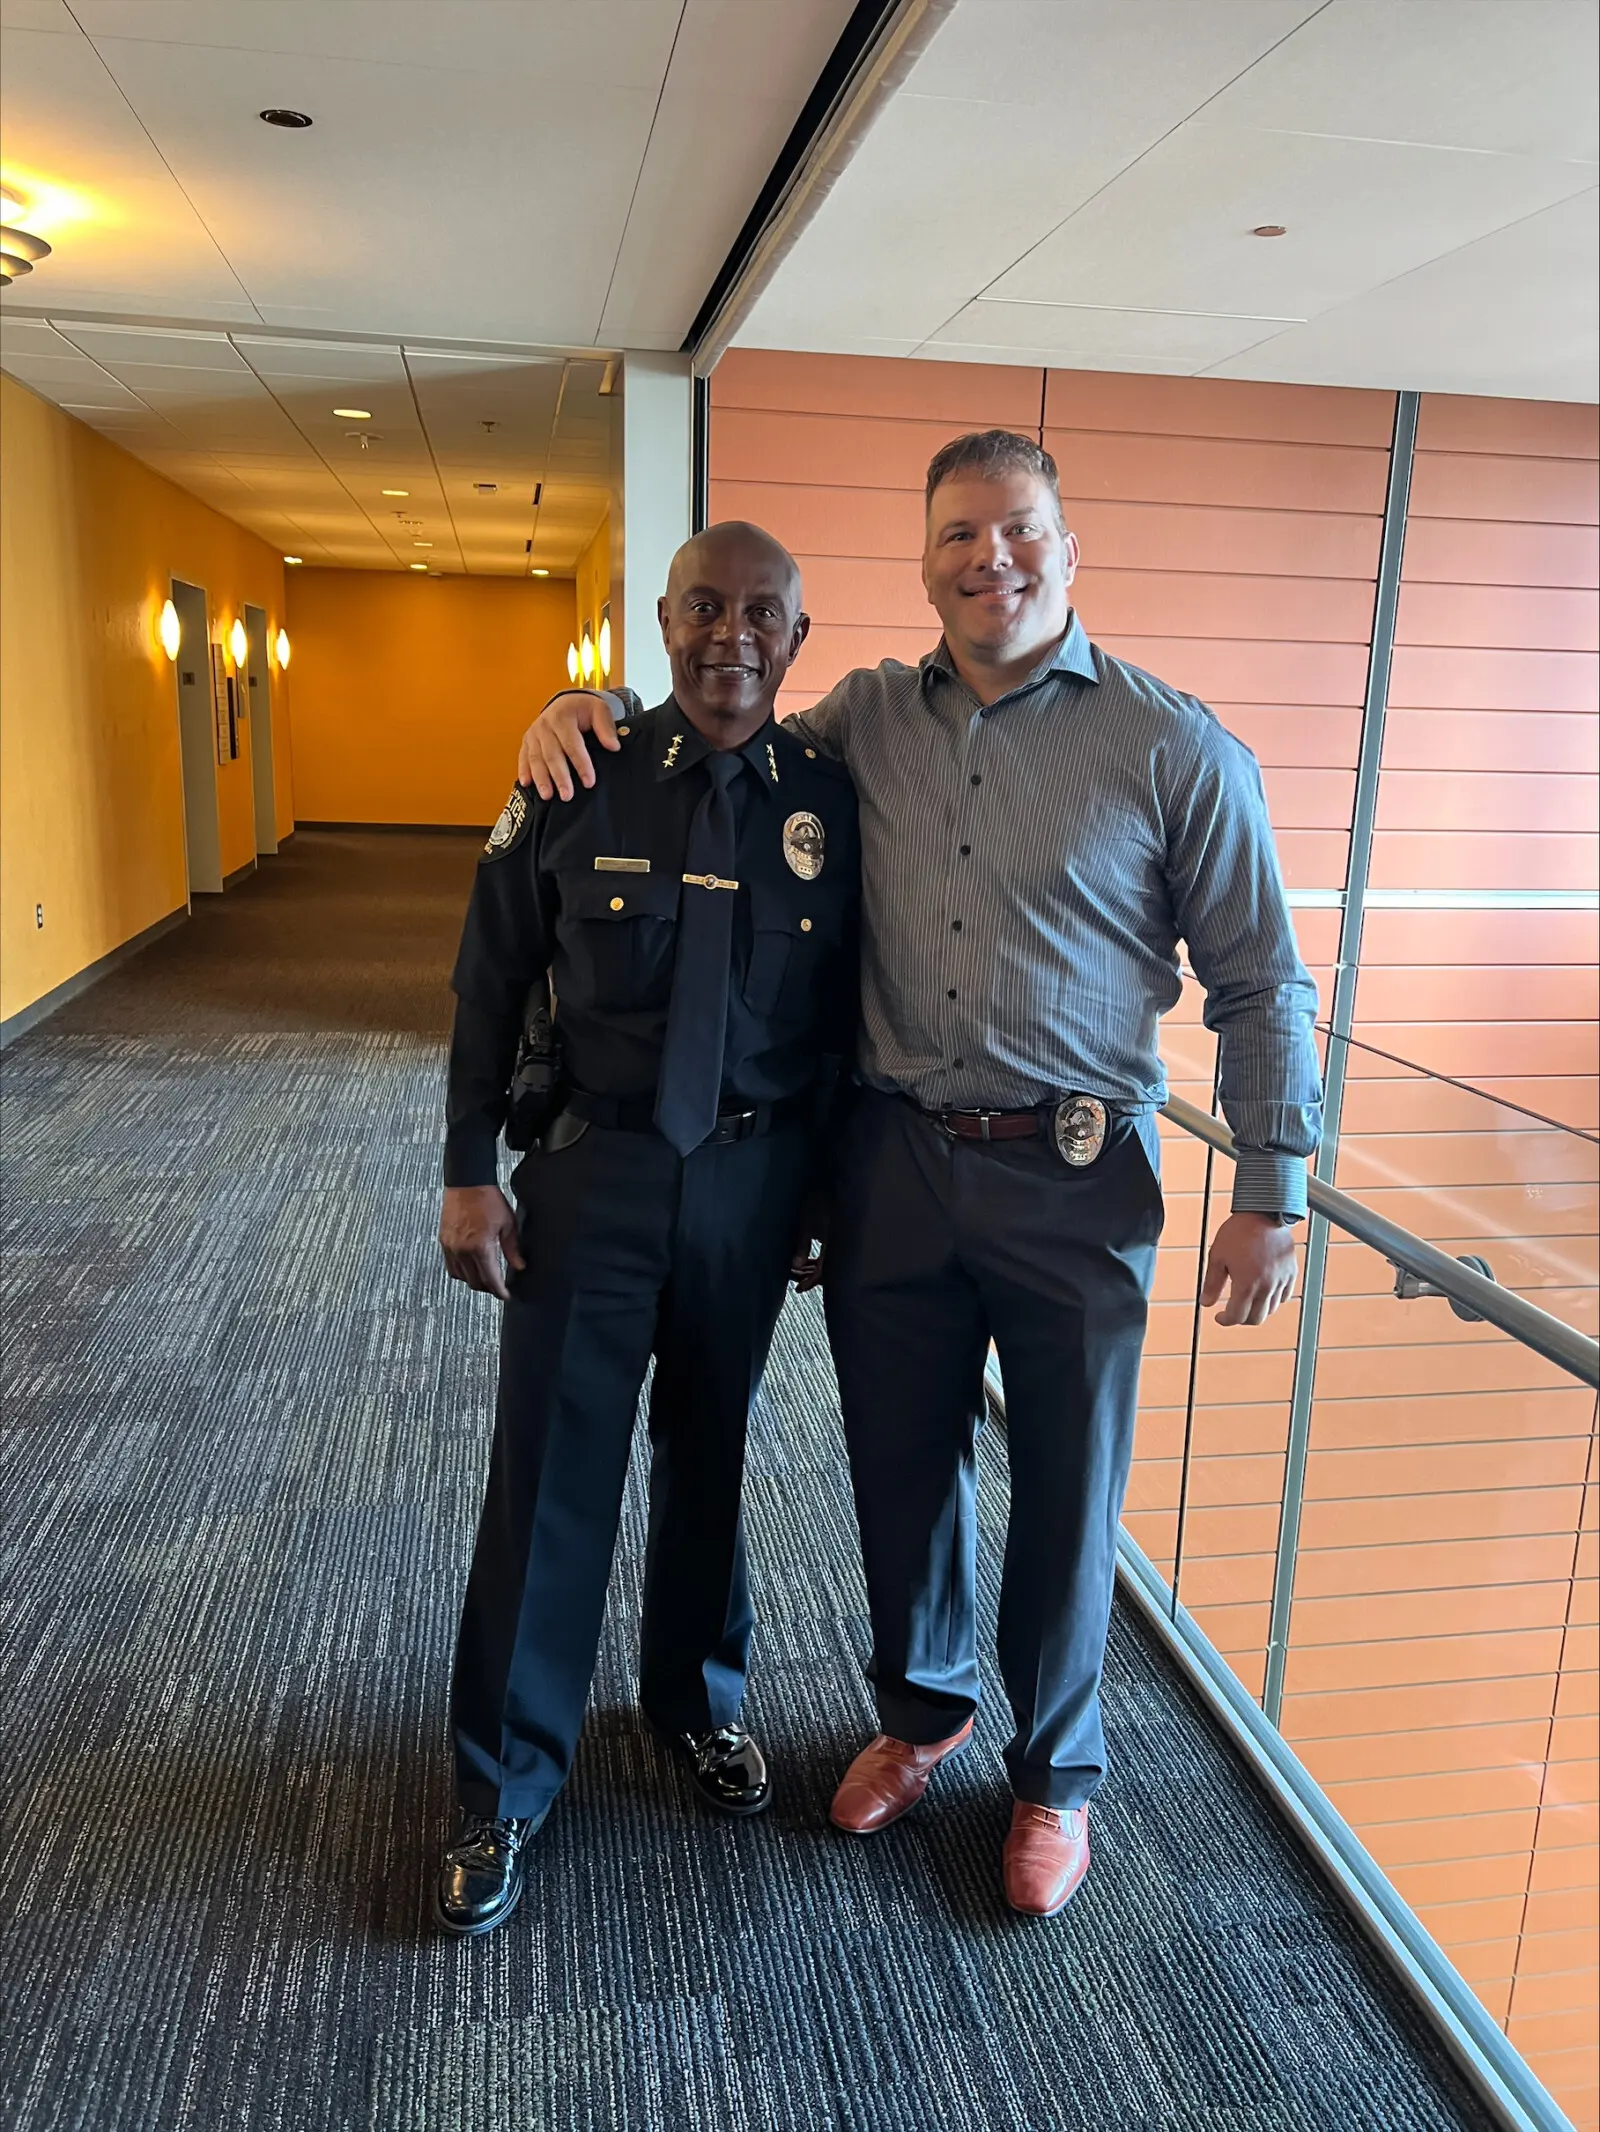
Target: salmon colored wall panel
1475,485
1491,740
826,520
1426,678
1249,672
1200,603
1420,859
1217,407
1465,551
1283,477
1458,992
1469,936
1321,736
1242,539
867,453
1493,616
970,395
1441,799
1551,429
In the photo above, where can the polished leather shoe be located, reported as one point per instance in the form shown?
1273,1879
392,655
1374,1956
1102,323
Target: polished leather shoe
886,1780
1046,1857
484,1871
726,1767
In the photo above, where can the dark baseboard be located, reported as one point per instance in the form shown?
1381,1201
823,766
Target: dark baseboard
240,873
410,829
41,1009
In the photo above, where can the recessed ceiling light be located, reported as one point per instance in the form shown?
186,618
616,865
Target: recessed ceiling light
538,573
1269,229
417,566
354,414
294,119
397,492
294,558
422,544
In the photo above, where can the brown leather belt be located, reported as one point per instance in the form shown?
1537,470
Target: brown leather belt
990,1124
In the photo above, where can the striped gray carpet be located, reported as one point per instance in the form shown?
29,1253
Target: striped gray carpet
245,1423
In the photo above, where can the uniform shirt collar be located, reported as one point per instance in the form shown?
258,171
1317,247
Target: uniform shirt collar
1073,655
678,747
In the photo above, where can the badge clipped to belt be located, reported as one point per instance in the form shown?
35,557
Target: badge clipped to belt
1079,1130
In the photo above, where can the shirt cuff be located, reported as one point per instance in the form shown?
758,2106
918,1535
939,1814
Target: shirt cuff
1269,1184
471,1157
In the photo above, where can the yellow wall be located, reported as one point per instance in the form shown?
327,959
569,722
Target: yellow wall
91,799
411,693
592,584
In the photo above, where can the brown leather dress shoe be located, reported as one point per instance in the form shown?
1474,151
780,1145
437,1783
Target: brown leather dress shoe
886,1780
1046,1857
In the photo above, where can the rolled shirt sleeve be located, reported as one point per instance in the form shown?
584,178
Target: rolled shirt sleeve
1261,1003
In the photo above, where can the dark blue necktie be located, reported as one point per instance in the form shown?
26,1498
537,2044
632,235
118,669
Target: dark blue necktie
697,1015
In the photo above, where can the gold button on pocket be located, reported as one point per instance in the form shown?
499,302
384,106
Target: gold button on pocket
616,903
805,925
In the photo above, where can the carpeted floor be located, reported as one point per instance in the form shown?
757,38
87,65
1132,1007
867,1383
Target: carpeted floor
245,1423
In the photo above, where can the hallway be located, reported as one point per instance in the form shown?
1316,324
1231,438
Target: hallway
246,1422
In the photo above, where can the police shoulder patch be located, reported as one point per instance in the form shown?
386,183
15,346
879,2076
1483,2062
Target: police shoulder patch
512,826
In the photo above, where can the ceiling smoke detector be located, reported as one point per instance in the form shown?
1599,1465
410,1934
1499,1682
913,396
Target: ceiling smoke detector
295,120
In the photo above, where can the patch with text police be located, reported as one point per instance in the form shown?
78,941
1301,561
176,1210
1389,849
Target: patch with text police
508,832
803,843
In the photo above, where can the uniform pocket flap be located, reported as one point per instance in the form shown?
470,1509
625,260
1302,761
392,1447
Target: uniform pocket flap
620,895
815,914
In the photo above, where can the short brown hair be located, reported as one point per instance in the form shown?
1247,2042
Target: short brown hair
989,453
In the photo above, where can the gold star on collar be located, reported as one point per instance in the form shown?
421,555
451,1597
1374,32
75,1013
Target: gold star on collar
772,762
672,751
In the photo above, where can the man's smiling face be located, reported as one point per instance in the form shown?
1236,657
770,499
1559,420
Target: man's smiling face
731,623
997,565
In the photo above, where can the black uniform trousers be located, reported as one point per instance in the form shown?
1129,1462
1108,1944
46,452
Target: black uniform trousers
631,1250
938,1246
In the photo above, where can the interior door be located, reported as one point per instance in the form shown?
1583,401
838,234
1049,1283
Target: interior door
258,709
197,735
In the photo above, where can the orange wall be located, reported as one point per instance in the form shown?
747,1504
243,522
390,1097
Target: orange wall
1442,1677
91,794
411,693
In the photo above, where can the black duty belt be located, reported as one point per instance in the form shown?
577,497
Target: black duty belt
637,1114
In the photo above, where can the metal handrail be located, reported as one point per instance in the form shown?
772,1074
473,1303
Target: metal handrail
1561,1344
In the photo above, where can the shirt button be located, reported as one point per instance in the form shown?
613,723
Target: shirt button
616,903
957,1064
951,993
977,780
955,925
966,851
805,925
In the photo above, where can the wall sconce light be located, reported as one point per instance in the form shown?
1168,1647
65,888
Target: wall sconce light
170,630
586,654
572,662
281,647
605,644
238,642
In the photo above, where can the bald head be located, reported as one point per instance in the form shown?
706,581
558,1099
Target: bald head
731,622
735,545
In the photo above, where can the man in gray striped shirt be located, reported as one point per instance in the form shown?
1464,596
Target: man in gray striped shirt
1041,825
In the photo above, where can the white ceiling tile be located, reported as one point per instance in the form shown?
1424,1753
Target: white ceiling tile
1075,337
1175,232
1437,330
32,336
155,345
1517,76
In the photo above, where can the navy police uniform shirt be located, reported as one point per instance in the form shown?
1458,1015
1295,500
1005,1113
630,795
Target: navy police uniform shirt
589,891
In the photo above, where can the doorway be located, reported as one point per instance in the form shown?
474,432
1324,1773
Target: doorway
197,737
258,709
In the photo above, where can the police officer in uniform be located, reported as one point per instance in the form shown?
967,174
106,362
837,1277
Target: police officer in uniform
696,916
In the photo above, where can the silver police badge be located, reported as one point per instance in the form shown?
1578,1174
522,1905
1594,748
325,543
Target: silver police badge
512,822
803,843
1080,1130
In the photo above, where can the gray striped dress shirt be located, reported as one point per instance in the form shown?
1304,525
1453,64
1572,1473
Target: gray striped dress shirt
1028,870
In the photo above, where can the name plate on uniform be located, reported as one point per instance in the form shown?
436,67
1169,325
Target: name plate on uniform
622,866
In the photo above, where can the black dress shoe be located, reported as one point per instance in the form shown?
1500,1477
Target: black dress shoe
484,1871
728,1768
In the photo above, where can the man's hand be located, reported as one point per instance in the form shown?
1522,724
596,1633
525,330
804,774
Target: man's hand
552,747
806,1263
476,1231
1254,1258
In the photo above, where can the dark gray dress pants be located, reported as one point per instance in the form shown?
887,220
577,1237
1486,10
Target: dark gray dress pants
937,1247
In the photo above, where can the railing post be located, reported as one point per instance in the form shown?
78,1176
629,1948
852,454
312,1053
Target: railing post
1341,1020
